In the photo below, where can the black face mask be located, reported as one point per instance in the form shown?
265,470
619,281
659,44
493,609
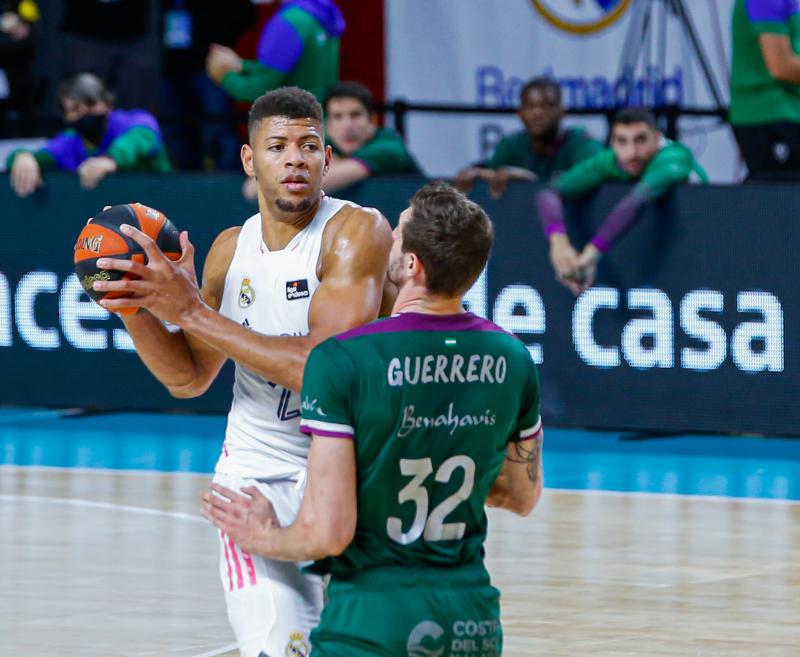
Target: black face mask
91,127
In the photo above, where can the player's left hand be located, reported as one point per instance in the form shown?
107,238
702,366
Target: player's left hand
168,289
94,169
220,61
246,519
587,266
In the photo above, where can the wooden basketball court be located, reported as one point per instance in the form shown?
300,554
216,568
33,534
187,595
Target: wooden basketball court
96,562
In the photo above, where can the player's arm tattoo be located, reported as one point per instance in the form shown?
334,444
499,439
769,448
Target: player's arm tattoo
529,452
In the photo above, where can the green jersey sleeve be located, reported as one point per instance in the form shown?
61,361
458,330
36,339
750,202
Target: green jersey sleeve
586,148
132,147
671,166
387,154
253,80
529,424
504,155
587,175
326,399
42,156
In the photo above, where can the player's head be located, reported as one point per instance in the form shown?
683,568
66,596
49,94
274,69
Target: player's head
635,138
350,116
442,242
540,107
286,151
86,103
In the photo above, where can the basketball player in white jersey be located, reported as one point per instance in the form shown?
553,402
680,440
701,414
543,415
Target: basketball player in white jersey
304,268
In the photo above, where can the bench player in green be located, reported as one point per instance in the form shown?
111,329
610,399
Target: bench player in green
639,154
418,421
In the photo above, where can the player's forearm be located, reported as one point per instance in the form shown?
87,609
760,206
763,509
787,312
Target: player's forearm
551,212
518,173
299,542
279,359
620,219
165,354
520,483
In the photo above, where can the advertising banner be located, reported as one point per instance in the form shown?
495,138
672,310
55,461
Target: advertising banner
604,53
688,327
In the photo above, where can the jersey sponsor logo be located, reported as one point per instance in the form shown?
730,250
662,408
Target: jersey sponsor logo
450,420
424,639
581,16
247,295
297,289
297,646
311,406
441,368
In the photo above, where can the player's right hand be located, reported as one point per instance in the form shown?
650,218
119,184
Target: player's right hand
26,175
564,259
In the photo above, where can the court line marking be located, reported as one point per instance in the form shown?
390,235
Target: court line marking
676,496
105,505
133,509
569,491
103,471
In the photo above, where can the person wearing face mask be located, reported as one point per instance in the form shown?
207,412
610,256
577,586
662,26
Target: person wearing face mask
640,154
98,141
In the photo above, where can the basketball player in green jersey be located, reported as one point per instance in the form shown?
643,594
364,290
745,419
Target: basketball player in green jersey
418,421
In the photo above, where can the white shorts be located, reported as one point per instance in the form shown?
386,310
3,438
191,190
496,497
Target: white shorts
272,605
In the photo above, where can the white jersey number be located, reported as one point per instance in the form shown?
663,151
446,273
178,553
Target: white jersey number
433,526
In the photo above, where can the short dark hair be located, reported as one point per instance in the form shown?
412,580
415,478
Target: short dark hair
291,102
451,235
631,115
542,82
85,88
352,90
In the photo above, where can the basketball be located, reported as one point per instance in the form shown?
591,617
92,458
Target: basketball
102,238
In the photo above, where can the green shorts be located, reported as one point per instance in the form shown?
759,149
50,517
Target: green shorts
411,612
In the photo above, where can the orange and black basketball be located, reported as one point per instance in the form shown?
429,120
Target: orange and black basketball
102,238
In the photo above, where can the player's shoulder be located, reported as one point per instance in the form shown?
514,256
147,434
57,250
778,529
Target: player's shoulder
223,248
356,223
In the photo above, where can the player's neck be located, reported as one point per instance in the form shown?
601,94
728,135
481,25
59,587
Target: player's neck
278,228
416,299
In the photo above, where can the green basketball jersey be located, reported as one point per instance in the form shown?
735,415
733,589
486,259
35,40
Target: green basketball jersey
431,402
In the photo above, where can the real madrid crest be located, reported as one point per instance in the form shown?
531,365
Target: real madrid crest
581,17
247,295
297,646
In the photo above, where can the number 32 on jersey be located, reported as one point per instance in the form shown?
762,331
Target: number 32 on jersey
431,526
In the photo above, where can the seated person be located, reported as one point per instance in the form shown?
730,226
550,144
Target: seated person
639,153
99,140
360,148
542,151
299,46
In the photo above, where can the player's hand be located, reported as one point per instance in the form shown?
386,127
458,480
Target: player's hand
94,169
587,266
465,179
246,519
168,289
26,175
564,259
498,183
220,61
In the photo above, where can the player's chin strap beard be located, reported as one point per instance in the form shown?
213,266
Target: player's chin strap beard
288,206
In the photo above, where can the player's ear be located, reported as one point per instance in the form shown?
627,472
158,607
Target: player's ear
328,158
247,160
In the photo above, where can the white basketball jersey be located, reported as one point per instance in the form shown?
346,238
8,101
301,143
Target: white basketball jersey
270,292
